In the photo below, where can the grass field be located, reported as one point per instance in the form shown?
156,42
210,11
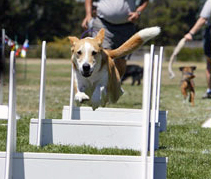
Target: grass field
185,143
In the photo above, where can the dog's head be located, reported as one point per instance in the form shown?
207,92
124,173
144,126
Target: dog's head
87,53
187,72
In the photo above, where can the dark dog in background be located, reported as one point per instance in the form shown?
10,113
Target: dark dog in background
187,83
134,71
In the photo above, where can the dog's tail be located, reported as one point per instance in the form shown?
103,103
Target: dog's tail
134,42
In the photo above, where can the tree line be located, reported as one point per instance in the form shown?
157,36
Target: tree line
40,20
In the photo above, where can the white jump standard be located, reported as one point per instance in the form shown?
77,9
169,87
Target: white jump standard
3,108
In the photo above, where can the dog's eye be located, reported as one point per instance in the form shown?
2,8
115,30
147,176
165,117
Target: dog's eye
94,53
79,52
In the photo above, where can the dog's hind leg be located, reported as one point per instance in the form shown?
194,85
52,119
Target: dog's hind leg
121,66
191,98
139,81
134,80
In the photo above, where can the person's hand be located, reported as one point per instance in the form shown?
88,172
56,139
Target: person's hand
133,16
188,36
86,21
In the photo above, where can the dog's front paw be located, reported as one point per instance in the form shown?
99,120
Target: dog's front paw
80,97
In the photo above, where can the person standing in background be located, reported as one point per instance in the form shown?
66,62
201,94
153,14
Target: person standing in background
203,19
117,17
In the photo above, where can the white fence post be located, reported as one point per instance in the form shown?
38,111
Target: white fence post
42,95
71,93
3,62
153,116
11,129
159,81
148,60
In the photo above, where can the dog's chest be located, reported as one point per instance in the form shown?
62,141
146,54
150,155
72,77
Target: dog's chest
188,85
89,84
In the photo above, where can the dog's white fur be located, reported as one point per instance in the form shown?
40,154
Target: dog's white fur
96,78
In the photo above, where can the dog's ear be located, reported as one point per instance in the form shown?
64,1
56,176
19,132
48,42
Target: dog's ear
100,36
181,68
193,68
73,40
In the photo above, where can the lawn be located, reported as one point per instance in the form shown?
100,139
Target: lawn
185,143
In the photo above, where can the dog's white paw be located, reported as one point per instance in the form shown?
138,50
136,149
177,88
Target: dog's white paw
80,97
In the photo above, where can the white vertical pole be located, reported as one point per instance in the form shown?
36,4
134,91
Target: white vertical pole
11,128
42,95
146,106
71,93
3,63
159,82
153,116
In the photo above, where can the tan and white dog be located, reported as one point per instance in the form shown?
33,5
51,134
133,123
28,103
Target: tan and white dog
96,78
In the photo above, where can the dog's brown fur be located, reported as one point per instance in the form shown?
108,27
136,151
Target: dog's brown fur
187,83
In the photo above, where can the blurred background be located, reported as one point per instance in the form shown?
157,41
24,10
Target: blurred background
53,21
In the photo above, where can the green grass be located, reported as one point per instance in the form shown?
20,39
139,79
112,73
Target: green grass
185,143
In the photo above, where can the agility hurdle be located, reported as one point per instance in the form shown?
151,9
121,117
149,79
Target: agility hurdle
54,166
106,127
3,108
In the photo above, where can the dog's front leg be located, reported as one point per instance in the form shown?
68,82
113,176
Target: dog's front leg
80,88
99,97
184,93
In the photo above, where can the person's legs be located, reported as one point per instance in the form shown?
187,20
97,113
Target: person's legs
207,51
208,78
208,72
121,34
97,25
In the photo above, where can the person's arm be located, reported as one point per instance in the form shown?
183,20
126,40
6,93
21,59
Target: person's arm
88,17
133,16
199,23
142,7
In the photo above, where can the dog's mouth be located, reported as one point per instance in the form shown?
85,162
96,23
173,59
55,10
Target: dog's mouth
86,74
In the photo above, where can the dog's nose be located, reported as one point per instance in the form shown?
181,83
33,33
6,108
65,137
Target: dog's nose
86,67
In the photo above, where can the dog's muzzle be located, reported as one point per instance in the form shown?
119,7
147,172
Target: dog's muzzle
86,70
188,75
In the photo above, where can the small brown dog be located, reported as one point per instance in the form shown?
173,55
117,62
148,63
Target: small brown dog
187,83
